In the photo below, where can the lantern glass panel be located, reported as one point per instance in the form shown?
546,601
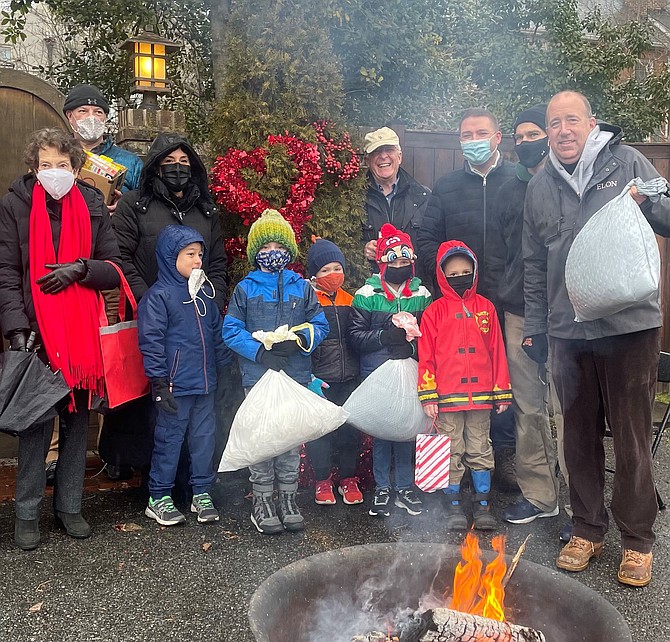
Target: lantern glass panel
159,50
145,66
159,68
145,47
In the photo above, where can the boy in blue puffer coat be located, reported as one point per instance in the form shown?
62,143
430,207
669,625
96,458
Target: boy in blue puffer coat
180,339
268,297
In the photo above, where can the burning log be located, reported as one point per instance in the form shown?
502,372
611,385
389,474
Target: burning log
446,625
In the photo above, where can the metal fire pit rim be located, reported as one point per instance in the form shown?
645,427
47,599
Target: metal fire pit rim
443,551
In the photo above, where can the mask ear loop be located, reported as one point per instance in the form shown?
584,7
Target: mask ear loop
310,329
211,285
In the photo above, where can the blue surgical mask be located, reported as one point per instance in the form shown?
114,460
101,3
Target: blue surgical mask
477,152
273,260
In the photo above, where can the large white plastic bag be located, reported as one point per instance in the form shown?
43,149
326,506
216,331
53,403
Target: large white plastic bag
613,262
277,415
386,404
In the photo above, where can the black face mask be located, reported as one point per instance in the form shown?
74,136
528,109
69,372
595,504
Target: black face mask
398,275
532,152
461,283
175,176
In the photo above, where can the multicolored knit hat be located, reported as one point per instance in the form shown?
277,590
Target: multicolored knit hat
391,245
270,226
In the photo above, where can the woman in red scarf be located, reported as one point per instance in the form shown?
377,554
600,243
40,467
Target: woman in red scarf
55,236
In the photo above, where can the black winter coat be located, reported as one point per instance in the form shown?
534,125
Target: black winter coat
507,229
461,208
406,211
17,310
142,213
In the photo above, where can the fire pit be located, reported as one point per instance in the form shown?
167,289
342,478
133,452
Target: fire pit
334,596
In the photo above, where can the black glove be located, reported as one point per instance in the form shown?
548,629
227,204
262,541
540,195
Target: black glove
393,336
538,350
285,348
163,397
271,360
61,275
18,340
402,351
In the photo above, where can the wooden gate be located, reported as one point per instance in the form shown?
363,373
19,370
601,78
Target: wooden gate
28,103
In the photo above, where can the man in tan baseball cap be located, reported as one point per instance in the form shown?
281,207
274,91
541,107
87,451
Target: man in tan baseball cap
393,195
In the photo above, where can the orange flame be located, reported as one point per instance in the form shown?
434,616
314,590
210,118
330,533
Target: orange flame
476,592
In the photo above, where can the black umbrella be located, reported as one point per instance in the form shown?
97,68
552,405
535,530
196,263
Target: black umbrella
30,392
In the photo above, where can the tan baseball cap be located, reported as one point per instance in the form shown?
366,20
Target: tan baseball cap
379,137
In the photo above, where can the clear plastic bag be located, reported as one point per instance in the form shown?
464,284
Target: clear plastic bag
614,261
277,415
386,404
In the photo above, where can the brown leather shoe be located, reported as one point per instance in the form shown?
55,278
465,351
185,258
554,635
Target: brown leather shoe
635,568
575,555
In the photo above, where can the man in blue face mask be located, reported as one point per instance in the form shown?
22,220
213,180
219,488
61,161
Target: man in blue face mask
461,207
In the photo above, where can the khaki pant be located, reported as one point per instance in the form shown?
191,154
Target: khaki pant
535,454
470,441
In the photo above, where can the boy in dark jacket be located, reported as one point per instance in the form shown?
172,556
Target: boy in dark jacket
335,363
462,376
268,297
180,339
374,336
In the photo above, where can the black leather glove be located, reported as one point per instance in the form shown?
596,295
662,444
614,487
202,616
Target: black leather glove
402,351
163,397
285,348
18,340
62,275
271,360
536,347
393,336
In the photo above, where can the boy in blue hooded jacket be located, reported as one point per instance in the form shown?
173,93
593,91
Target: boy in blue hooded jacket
180,339
268,297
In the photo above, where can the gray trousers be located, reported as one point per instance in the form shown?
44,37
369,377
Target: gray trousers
535,453
71,468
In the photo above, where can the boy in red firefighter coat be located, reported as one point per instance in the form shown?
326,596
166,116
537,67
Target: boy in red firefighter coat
463,375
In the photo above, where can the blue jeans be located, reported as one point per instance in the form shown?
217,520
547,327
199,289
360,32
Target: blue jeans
195,422
503,431
401,452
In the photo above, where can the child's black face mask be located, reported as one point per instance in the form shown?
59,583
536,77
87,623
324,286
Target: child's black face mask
461,283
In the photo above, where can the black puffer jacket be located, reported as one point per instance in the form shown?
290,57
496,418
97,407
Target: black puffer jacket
16,300
461,208
406,212
507,229
142,213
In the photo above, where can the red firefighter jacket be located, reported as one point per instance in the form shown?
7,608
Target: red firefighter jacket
462,362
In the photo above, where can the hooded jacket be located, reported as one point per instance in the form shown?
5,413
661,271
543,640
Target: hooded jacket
462,362
17,310
333,360
177,341
461,207
405,211
142,213
372,312
130,161
554,214
265,301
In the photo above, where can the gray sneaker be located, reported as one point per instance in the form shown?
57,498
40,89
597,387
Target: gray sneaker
264,514
164,512
289,513
409,500
203,505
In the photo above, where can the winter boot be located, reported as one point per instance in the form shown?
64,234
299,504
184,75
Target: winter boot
27,533
288,509
483,520
456,519
263,512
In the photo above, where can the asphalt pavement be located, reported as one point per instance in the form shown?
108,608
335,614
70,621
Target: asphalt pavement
133,581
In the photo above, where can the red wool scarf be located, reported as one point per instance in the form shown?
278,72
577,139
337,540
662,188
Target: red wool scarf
68,320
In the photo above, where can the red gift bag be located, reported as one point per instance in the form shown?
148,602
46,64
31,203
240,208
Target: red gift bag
121,357
433,457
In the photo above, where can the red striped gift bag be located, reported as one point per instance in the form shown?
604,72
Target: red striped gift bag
433,456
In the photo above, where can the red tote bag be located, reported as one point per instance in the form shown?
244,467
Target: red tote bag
433,458
121,357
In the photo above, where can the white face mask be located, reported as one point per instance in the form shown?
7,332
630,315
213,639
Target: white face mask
57,182
197,279
90,129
